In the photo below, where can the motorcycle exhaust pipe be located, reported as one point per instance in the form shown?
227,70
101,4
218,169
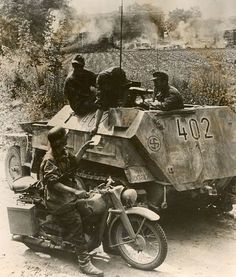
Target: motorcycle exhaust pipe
18,238
32,242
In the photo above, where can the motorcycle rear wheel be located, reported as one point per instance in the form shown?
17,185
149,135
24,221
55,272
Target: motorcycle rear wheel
153,241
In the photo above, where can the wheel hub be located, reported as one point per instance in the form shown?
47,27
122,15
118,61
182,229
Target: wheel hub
140,243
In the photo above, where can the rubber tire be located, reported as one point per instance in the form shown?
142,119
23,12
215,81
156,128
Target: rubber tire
13,151
155,227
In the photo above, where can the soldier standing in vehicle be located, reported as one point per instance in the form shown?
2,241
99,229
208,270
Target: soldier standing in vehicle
168,97
62,192
79,87
111,85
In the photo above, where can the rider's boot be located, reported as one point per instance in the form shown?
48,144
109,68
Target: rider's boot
87,267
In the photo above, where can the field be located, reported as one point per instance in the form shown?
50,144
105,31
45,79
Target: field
182,65
204,76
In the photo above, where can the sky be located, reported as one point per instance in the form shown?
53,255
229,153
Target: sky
209,8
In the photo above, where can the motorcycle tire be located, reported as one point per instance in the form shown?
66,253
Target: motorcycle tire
129,251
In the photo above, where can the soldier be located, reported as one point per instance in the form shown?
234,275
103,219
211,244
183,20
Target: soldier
169,98
79,87
61,193
111,85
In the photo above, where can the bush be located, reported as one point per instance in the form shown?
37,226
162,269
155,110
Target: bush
39,86
34,73
207,85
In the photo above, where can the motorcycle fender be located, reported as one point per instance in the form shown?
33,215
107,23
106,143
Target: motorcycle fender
141,211
144,212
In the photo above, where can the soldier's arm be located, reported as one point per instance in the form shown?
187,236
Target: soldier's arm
98,117
52,176
70,92
100,104
68,88
168,103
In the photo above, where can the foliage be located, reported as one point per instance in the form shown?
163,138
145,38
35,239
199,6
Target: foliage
35,12
31,67
208,85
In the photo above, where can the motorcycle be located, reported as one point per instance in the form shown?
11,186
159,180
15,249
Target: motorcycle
109,215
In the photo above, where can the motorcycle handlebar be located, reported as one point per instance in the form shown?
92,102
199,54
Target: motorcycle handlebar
104,187
109,181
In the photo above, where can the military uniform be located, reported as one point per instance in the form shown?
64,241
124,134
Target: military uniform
109,84
62,205
78,92
171,100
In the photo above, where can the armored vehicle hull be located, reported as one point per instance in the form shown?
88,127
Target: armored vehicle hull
185,154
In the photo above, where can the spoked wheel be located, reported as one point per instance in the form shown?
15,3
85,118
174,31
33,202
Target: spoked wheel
13,168
149,249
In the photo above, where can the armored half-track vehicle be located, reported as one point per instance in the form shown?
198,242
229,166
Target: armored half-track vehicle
170,158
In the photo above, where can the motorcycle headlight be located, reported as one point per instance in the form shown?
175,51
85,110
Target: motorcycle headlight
129,196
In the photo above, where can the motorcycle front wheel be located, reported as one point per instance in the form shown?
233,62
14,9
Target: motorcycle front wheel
150,248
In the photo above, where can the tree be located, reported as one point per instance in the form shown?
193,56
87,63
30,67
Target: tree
35,12
31,59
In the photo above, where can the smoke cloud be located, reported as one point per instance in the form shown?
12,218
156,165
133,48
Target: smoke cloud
150,29
208,8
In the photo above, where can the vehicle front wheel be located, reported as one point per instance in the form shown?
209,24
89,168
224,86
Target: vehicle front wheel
150,248
13,168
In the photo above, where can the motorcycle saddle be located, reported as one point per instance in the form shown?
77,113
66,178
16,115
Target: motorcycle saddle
23,183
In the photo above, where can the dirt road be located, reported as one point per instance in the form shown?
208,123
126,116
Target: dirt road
199,245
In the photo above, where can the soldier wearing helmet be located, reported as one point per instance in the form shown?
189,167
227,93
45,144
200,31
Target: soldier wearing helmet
62,191
111,85
168,97
79,87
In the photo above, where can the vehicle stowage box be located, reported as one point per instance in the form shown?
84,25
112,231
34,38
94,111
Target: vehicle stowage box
22,220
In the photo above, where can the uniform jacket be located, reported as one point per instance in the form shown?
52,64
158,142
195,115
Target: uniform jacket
52,168
77,89
172,100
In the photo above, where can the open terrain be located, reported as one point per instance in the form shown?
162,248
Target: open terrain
180,63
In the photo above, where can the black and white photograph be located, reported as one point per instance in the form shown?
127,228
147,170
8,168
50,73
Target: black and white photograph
118,138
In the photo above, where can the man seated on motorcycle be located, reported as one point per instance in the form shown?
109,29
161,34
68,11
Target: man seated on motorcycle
61,194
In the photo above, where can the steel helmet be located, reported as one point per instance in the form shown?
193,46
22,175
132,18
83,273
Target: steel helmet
56,135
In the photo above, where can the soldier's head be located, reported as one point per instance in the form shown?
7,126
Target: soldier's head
160,80
119,77
78,62
57,137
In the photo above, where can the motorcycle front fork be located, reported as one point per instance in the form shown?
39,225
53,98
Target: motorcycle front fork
119,211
